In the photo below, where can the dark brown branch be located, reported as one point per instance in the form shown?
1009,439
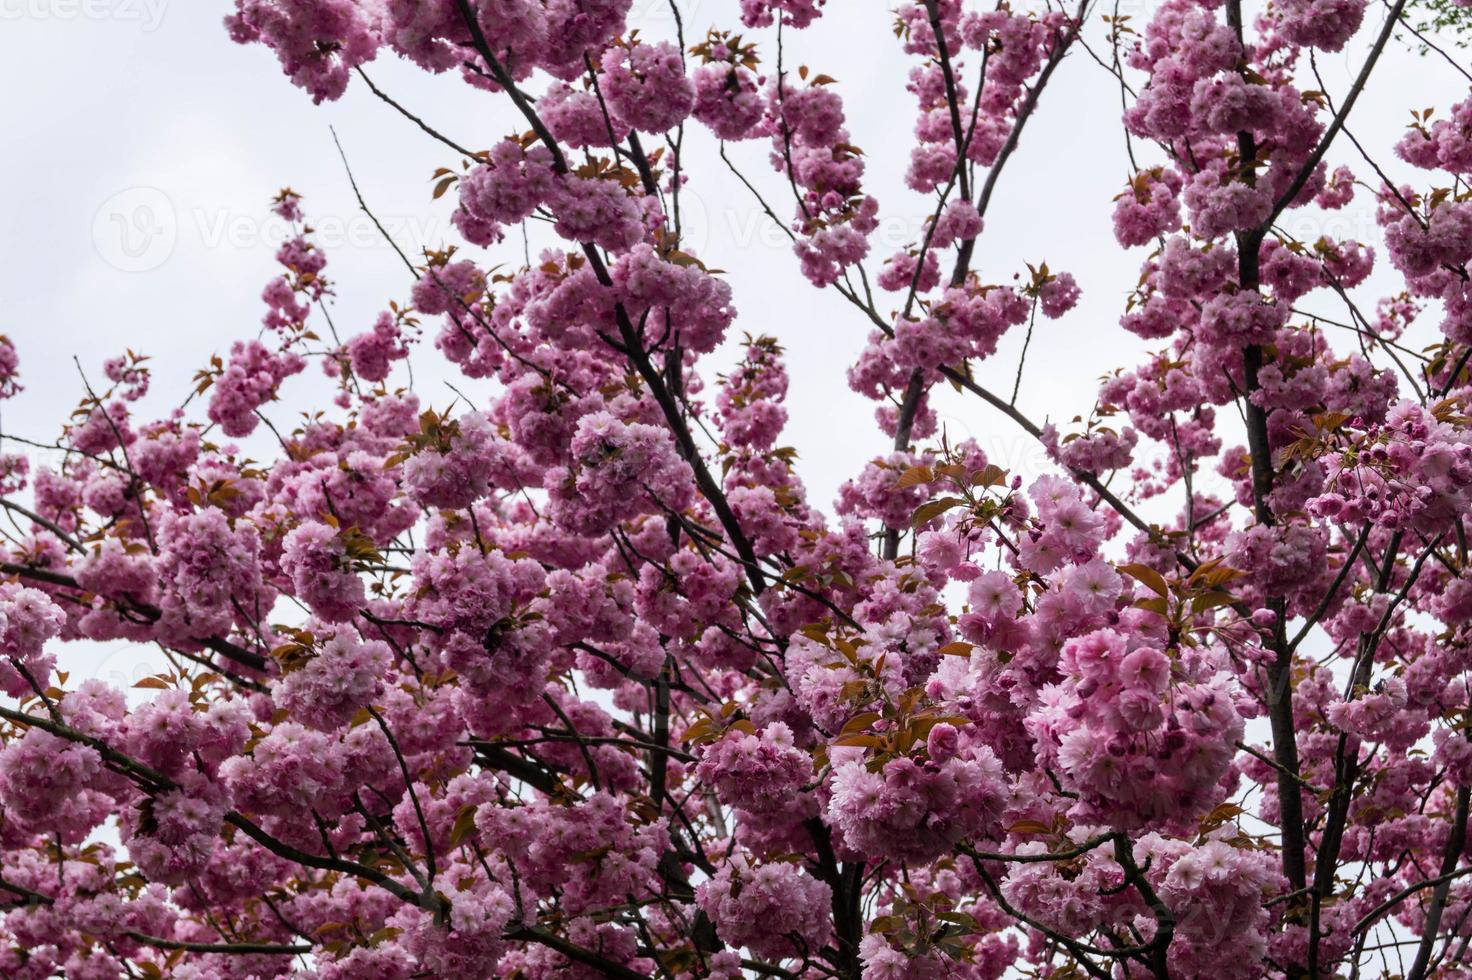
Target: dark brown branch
231,651
411,117
1451,856
238,949
1339,120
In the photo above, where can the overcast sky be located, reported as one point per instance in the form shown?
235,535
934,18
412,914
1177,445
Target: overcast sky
144,148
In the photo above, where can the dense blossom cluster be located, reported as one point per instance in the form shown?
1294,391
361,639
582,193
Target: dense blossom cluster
1140,747
570,677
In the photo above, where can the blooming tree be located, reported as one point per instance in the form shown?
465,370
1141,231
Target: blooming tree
572,679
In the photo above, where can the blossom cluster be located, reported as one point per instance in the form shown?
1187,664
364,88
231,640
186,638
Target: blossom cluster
563,671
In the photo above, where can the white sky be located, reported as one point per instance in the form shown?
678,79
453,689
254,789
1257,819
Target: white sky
131,116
